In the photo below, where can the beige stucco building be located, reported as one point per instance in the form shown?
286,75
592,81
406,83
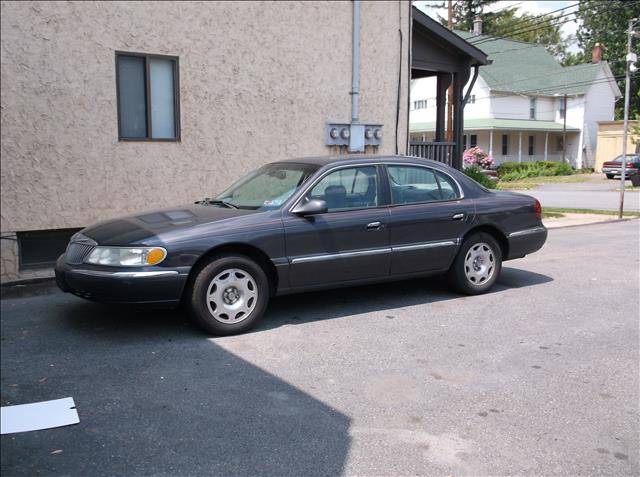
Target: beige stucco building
611,140
253,82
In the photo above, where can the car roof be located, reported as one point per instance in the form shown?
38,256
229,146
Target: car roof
356,159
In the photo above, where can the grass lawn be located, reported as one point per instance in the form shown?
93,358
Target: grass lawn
531,182
556,212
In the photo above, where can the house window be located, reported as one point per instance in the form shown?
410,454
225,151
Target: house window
561,110
474,140
420,104
532,108
531,145
472,99
148,105
560,144
505,144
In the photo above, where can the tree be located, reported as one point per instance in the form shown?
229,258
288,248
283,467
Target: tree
465,11
529,28
606,23
508,23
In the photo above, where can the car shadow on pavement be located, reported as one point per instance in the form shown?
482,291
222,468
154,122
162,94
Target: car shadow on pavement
154,397
342,302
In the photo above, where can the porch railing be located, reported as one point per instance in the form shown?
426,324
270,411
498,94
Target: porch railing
437,151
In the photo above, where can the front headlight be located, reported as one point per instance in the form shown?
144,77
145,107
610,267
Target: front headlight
126,257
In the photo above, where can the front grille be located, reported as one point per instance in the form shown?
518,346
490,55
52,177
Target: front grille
77,252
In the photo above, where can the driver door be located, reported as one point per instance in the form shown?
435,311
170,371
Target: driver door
348,242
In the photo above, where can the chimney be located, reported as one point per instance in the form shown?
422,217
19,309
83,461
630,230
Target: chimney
477,26
596,53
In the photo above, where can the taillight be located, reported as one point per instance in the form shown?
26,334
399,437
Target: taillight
537,209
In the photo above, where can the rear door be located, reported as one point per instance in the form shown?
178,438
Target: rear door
350,241
428,216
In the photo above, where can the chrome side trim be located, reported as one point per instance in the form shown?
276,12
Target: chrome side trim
145,274
374,251
334,256
534,230
419,246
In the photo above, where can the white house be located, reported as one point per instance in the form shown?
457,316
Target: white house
515,110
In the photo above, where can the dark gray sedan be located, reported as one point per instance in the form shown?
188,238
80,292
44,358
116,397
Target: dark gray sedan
303,225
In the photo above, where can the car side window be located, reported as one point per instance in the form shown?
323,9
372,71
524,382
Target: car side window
345,189
448,187
410,185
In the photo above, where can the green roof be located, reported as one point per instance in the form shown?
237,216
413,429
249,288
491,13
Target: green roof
503,124
529,68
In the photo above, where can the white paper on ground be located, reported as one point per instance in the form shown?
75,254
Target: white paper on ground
38,415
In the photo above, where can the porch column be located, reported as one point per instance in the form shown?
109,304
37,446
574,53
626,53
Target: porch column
491,142
520,147
546,144
443,82
459,80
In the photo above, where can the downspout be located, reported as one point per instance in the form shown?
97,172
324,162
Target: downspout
355,66
476,70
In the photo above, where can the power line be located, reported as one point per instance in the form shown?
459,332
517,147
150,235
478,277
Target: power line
542,24
541,91
529,19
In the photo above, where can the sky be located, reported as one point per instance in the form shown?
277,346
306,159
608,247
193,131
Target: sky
532,7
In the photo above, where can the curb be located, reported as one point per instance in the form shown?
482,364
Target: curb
593,223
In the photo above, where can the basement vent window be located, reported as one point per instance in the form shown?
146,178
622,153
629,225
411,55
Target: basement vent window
40,249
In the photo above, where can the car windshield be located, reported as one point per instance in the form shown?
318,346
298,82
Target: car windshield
268,187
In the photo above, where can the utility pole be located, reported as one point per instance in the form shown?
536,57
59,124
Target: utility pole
630,59
450,88
564,131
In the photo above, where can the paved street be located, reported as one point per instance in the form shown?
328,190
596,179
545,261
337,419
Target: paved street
598,193
540,377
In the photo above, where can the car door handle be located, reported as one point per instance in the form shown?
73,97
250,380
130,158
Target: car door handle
458,217
374,226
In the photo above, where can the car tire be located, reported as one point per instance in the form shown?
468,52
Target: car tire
477,265
228,295
609,176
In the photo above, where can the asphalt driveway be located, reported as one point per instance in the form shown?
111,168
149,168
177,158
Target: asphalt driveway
598,193
539,377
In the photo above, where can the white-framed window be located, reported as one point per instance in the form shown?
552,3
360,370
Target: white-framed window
420,104
561,111
532,107
472,99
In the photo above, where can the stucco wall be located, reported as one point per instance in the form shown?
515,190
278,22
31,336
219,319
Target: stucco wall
258,81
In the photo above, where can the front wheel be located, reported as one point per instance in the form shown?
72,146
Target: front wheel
477,266
228,295
609,176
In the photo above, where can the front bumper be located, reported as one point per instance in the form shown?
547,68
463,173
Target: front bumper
524,242
122,285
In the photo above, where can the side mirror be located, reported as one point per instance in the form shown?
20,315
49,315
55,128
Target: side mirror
312,207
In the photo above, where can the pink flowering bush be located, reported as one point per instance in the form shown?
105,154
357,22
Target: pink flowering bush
477,157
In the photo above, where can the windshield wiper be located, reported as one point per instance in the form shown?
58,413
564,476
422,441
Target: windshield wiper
207,201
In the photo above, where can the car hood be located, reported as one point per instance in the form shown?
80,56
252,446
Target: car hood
141,229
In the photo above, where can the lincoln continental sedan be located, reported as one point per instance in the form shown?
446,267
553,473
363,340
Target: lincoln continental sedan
302,225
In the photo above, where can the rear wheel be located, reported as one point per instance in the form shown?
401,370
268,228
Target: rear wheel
477,265
609,176
228,295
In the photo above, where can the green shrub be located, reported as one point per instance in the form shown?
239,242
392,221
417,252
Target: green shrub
507,167
475,173
513,171
563,169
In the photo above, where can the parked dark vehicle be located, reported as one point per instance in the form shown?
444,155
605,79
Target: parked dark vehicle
303,225
614,168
